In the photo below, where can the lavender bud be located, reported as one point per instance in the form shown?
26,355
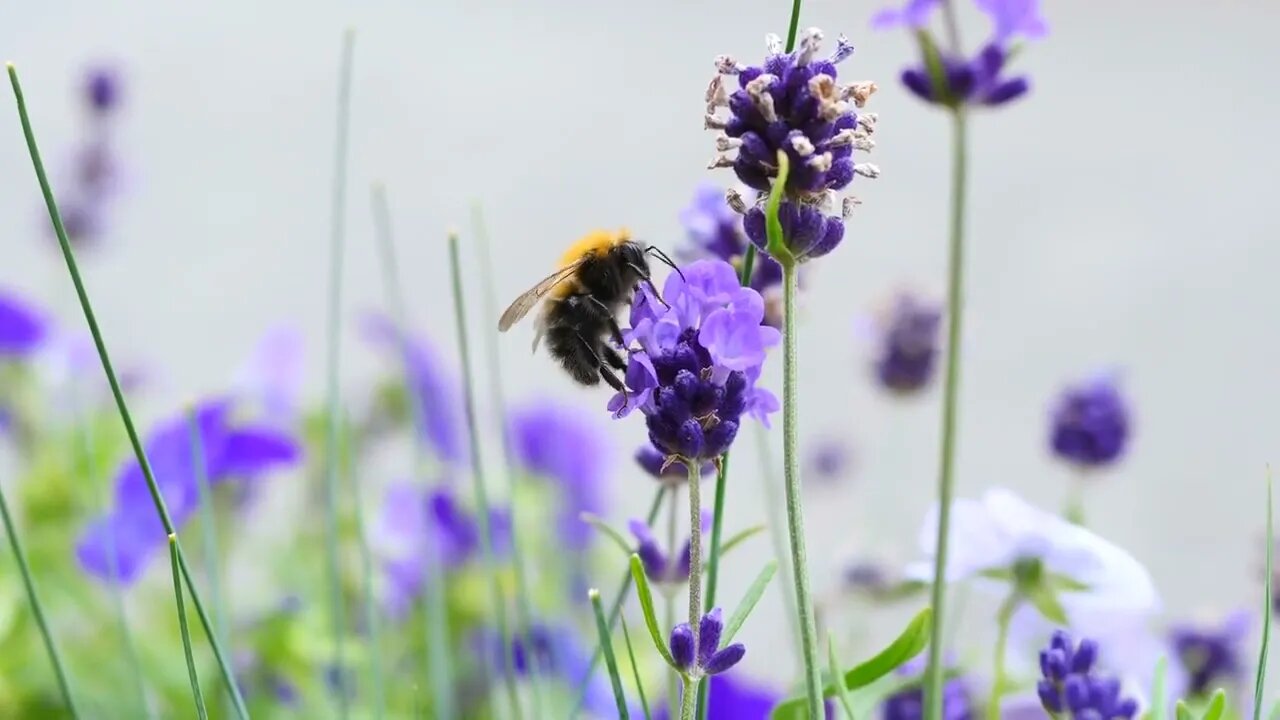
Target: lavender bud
681,644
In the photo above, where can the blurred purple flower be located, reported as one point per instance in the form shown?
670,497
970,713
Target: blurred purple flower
1070,684
908,704
1213,655
562,444
231,451
22,326
102,89
715,230
431,385
651,460
703,353
914,15
909,336
829,460
271,377
415,522
1090,423
791,103
660,567
1013,18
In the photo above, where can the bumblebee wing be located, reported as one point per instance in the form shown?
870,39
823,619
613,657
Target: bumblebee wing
530,297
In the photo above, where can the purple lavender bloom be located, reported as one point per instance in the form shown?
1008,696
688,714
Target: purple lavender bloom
559,443
415,522
22,327
652,461
908,704
1090,423
1213,654
791,103
102,89
707,658
431,385
829,460
715,230
703,352
1069,683
231,451
658,566
908,352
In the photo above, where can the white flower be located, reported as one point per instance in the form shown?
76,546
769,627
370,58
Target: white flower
990,536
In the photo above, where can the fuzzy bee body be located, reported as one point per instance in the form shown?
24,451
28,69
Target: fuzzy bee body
580,301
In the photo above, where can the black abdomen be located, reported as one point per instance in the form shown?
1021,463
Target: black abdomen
575,331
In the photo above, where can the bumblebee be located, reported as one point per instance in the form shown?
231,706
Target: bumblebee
596,277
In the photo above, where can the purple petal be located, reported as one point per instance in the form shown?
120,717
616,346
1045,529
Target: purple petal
681,645
22,327
725,659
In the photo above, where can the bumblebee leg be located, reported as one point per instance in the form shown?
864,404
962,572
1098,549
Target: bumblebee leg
612,358
605,372
615,383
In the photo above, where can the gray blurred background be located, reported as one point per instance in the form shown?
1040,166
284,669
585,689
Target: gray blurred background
1122,216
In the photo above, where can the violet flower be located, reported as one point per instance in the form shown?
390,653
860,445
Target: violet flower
102,89
703,353
965,81
94,164
653,462
707,657
22,327
829,460
560,443
231,450
1070,686
908,704
659,567
909,338
1213,655
416,521
792,103
1090,423
430,384
1001,538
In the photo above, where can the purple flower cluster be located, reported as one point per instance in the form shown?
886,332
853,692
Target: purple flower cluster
909,339
908,704
705,656
1069,683
559,443
654,462
22,327
968,81
700,355
231,450
1090,423
416,522
658,566
1212,654
94,165
793,104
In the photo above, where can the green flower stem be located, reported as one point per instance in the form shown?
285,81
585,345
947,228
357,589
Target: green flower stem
795,502
794,26
998,677
689,699
88,470
695,555
778,537
337,612
713,563
669,600
478,483
616,611
371,619
606,643
209,543
118,394
439,666
955,295
33,598
201,712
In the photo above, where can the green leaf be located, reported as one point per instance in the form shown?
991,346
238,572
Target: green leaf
748,603
909,644
1217,705
740,537
933,64
833,666
778,249
1157,690
609,531
1043,599
646,607
1275,711
1184,712
1067,583
606,644
1266,610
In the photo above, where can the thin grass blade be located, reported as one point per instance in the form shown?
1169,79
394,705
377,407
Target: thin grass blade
754,592
646,607
608,531
635,667
196,694
602,627
1260,683
833,666
372,621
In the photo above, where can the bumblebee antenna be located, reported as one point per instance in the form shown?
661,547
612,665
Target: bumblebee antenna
649,280
657,251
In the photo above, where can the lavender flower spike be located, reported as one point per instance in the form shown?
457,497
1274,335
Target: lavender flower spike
703,352
792,104
708,658
908,345
1090,423
1070,685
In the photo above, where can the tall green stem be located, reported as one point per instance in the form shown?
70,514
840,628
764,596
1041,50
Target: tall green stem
695,550
373,623
689,698
998,681
333,411
37,610
795,502
669,599
713,563
196,694
439,667
955,313
778,537
478,483
118,394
